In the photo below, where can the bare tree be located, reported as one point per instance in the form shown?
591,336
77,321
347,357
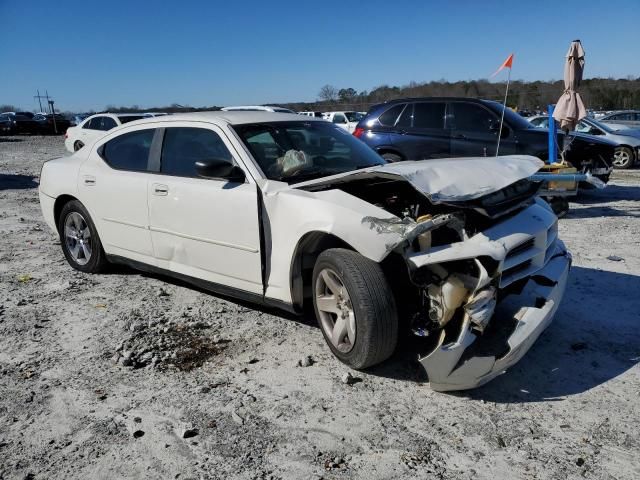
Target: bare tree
328,93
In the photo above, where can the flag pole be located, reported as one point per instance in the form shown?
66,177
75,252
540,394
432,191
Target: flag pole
504,106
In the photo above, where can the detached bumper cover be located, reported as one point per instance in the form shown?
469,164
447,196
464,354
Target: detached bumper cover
531,310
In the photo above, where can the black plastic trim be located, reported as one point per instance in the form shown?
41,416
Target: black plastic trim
217,288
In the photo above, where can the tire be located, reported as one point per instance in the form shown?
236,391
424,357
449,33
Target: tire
392,157
74,218
77,145
623,158
369,299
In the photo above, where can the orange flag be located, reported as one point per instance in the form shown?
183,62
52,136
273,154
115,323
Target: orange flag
507,64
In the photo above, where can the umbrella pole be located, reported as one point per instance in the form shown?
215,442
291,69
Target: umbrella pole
504,106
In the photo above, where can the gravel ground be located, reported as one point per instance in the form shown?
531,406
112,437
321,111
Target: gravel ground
125,375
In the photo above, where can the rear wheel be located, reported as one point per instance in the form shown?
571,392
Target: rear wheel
77,145
623,158
79,239
355,308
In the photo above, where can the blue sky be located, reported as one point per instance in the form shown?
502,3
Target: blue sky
244,52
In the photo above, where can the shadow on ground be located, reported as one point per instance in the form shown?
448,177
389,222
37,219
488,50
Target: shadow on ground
593,339
16,182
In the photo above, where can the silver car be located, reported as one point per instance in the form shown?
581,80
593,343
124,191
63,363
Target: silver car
630,118
628,140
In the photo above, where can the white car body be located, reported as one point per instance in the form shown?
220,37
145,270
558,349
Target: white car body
85,133
258,243
346,119
256,108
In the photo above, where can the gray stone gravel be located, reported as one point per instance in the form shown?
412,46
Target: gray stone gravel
125,375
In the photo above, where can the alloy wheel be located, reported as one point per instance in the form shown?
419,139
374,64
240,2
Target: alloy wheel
77,236
335,310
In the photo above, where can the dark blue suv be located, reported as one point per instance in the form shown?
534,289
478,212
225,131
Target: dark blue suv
437,127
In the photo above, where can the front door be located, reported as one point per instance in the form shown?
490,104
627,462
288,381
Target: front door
474,131
204,228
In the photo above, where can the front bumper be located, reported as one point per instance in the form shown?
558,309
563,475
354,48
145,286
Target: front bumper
532,310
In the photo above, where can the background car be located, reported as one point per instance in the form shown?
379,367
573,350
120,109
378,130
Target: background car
347,120
627,140
94,127
311,114
627,117
256,108
23,122
6,124
49,124
440,127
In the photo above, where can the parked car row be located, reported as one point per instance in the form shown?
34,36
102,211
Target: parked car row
430,128
627,140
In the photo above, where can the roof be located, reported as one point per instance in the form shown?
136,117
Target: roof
233,117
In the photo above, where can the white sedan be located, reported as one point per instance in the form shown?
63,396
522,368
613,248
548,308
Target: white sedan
284,211
346,120
95,127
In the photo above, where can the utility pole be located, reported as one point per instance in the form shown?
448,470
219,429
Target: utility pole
40,97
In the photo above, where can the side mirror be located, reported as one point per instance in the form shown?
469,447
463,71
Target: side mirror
221,169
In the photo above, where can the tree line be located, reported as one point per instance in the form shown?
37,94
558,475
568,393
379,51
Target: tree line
597,93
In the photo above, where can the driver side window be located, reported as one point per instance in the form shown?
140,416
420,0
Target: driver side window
182,147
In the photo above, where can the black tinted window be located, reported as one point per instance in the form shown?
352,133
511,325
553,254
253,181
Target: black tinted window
129,151
472,118
183,147
108,123
130,118
93,124
428,115
388,118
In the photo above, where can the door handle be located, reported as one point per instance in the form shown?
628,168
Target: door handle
159,189
459,136
89,180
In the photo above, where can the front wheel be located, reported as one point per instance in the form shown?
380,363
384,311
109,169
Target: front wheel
622,158
391,157
355,308
79,239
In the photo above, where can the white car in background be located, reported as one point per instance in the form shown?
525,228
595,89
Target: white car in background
347,120
256,108
293,212
95,127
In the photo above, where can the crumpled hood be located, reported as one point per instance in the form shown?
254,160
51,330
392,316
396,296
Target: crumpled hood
447,179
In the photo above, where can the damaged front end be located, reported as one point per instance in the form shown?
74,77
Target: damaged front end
488,276
488,297
486,270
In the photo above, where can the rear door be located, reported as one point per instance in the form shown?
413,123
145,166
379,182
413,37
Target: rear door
113,186
200,227
474,131
420,131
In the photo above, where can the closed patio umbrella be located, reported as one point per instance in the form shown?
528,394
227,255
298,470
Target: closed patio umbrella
570,109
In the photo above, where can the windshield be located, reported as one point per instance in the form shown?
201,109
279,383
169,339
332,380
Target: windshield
510,117
297,151
600,125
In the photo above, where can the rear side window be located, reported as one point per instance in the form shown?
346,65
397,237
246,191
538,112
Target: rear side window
129,151
93,124
183,147
428,115
388,118
108,123
472,118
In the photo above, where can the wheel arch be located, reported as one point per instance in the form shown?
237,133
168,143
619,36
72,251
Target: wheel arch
307,250
59,204
389,149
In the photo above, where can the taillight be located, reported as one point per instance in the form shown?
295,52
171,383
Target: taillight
66,134
358,132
